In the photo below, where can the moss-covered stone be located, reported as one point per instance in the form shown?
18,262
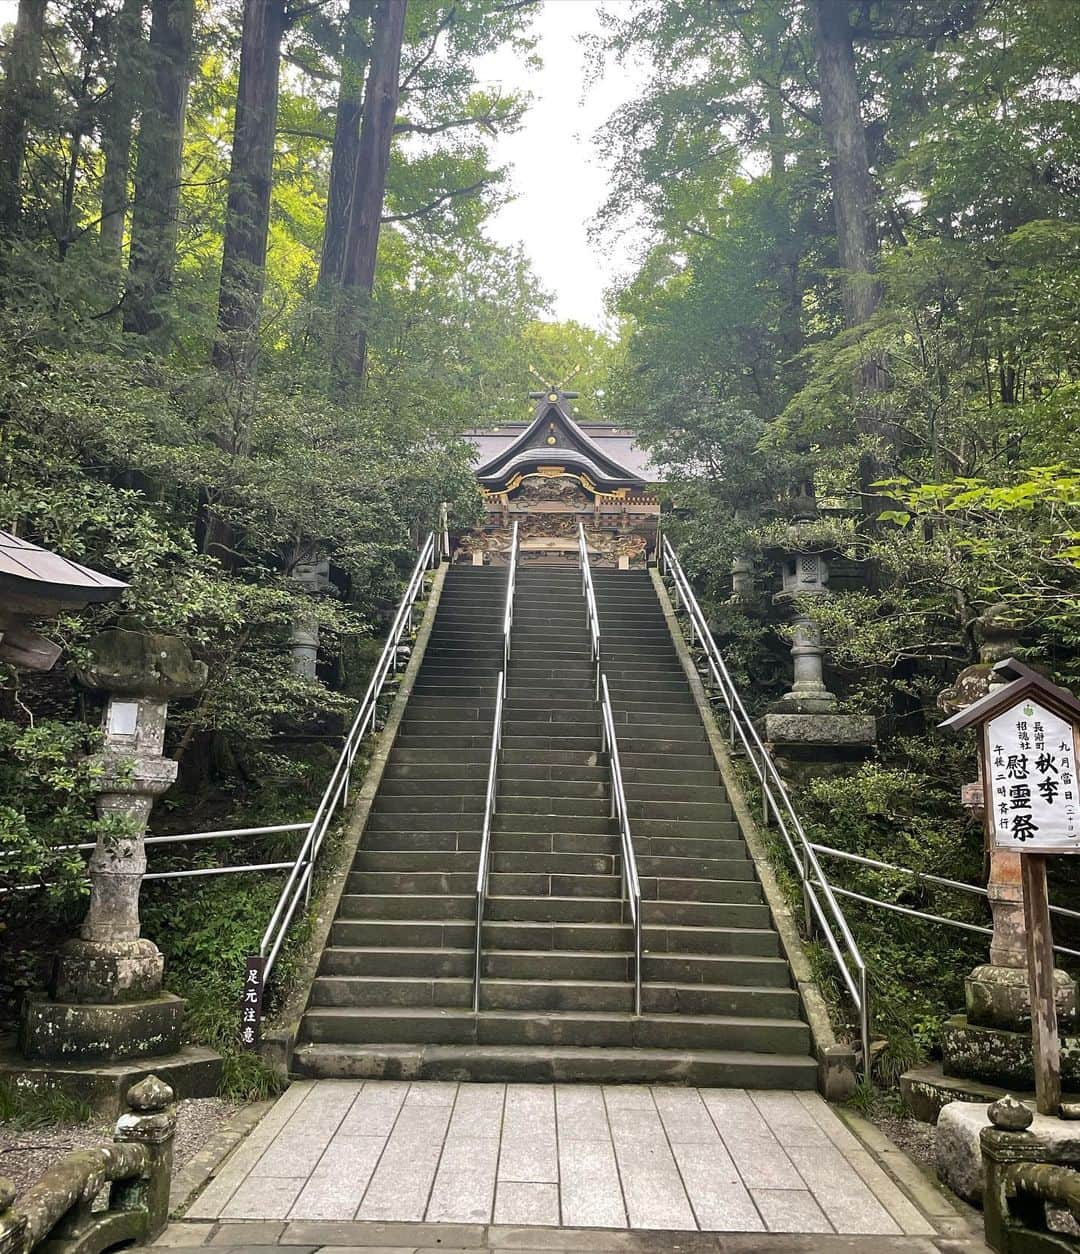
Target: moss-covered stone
55,1031
999,1056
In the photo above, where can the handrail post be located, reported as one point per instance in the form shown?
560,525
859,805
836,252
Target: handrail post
864,1021
808,912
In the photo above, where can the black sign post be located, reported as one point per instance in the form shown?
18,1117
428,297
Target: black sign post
251,1002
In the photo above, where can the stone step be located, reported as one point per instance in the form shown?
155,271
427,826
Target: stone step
554,910
549,1064
517,964
526,862
541,936
456,861
717,868
402,934
746,910
412,906
660,942
438,1025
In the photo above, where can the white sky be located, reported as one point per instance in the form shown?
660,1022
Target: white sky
557,173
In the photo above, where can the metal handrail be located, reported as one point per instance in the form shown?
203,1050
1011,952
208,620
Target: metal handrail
925,876
483,869
508,609
298,884
592,616
776,806
444,530
491,797
631,885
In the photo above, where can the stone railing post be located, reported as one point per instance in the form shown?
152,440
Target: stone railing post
151,1123
59,1212
12,1224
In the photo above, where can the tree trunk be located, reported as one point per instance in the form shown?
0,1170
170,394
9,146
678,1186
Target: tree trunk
853,204
373,161
116,129
849,163
247,222
16,105
159,168
354,58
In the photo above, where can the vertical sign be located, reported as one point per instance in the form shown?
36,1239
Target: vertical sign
251,1002
1030,756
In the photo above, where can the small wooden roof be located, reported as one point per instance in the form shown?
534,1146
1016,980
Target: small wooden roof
608,455
28,568
1025,682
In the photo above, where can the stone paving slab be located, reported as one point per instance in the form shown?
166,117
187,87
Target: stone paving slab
434,1163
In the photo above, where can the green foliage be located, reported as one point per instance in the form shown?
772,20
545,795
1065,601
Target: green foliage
24,1110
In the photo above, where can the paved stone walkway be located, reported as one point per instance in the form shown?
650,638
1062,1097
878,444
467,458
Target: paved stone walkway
576,1156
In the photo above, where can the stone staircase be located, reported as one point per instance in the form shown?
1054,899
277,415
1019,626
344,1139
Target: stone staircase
393,996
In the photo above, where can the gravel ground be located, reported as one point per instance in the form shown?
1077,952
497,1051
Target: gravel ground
914,1138
24,1156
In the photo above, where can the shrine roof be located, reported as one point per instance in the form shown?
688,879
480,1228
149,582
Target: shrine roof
30,568
609,452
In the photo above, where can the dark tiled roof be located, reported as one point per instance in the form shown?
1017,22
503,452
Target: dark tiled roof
30,568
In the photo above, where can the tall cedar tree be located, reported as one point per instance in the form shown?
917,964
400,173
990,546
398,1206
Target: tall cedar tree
852,196
159,168
372,163
116,127
247,221
16,106
354,60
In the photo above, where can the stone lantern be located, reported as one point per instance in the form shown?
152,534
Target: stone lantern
807,722
110,964
312,577
106,1003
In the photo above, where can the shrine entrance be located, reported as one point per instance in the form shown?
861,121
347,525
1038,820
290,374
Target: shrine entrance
549,474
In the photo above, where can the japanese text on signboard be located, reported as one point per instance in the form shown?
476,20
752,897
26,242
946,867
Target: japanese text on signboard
251,1002
1031,761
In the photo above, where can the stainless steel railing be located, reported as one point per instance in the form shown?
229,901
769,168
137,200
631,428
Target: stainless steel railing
508,609
924,877
589,593
483,869
298,884
631,886
821,907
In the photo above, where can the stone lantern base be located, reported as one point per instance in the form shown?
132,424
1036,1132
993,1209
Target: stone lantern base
95,1051
191,1071
987,1051
808,743
60,1031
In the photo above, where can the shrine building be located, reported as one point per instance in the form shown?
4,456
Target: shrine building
552,472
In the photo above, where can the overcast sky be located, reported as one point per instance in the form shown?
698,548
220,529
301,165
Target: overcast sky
557,172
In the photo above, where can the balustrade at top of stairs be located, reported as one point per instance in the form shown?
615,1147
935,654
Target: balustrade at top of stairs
393,993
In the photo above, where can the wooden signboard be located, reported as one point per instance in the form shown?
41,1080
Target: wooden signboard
251,1002
1029,746
1030,754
